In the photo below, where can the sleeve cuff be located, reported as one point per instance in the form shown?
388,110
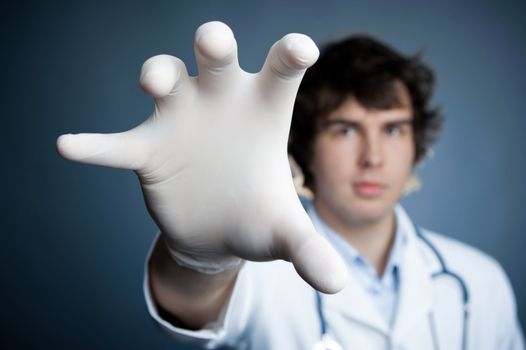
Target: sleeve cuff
230,325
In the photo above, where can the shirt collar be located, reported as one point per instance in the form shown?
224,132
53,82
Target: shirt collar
353,256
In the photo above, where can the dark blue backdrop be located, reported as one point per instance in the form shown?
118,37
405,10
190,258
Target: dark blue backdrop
74,237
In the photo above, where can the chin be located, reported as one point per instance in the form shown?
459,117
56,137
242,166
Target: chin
368,211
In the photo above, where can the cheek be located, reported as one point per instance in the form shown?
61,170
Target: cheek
331,162
402,157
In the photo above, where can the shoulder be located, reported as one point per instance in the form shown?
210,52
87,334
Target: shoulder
470,262
483,274
461,256
490,292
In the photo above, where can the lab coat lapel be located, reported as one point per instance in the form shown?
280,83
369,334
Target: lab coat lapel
354,303
415,298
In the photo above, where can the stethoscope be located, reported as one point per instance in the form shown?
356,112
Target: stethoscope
326,342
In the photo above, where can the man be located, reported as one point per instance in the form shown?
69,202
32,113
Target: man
361,123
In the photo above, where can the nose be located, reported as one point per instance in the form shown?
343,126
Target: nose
371,152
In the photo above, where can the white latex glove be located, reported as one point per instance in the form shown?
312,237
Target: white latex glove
212,158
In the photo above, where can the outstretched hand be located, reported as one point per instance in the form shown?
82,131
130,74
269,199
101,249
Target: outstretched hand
212,158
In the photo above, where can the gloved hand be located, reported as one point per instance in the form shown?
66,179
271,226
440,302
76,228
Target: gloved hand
212,158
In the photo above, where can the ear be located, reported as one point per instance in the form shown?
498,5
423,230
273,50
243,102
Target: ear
299,180
413,184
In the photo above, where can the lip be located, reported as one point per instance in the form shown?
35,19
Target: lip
368,189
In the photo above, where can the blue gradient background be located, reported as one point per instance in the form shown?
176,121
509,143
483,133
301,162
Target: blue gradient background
74,237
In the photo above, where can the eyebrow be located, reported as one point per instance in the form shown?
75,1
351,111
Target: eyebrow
347,122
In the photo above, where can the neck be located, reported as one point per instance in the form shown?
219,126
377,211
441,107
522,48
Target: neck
372,238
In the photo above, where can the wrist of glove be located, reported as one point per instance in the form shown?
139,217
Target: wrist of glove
204,264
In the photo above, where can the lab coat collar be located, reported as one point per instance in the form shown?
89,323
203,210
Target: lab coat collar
414,298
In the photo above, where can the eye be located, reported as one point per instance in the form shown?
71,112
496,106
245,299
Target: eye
393,130
346,131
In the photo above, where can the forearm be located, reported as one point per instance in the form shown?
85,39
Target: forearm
191,297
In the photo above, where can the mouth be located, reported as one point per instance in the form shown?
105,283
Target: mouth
368,189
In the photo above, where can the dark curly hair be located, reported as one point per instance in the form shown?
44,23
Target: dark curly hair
367,69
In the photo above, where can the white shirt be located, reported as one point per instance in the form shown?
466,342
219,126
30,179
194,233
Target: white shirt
271,307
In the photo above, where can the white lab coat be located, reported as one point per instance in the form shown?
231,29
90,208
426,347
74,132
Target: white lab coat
272,308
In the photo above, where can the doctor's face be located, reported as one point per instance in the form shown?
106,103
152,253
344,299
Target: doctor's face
362,160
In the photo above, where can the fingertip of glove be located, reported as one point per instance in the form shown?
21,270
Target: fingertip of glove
320,266
215,27
332,278
156,84
299,51
62,145
161,74
334,281
215,40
